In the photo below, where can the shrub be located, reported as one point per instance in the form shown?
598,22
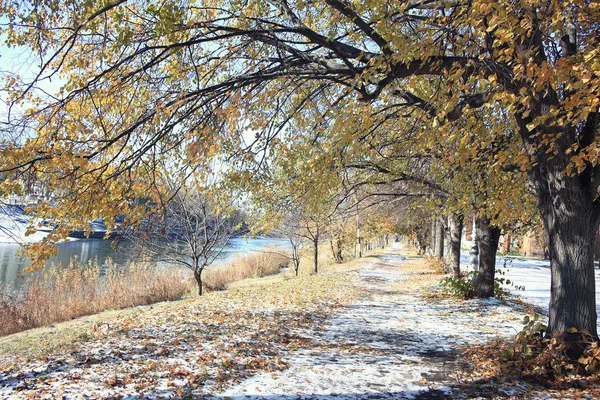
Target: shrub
557,356
464,287
80,289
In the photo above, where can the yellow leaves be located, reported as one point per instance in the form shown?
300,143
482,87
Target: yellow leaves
531,126
10,186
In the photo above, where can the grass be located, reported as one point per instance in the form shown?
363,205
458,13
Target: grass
257,265
64,328
80,289
84,289
215,339
58,295
34,343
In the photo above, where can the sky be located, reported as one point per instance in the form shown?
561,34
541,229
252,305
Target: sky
19,61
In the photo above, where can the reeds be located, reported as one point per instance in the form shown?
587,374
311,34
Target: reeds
254,265
61,294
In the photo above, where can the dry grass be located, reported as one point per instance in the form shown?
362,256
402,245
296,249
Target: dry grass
255,265
64,294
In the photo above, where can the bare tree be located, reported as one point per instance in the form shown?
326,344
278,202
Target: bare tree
191,232
289,228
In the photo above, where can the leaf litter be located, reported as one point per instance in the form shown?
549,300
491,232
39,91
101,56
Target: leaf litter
371,331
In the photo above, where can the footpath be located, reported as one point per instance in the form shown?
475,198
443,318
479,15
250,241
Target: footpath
392,343
372,329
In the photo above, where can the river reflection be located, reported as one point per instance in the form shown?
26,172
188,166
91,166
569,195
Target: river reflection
12,266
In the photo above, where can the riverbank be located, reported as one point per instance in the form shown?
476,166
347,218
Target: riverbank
120,253
60,294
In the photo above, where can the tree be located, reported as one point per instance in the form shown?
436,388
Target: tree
192,231
458,177
312,228
280,68
288,226
412,217
455,222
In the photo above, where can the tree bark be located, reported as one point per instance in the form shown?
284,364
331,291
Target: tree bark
296,261
570,222
456,226
333,250
316,253
198,278
566,197
337,250
488,239
439,240
468,223
433,236
506,247
447,241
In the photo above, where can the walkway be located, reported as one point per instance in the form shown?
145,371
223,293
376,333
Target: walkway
392,344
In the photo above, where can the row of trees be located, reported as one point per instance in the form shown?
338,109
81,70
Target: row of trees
192,230
460,102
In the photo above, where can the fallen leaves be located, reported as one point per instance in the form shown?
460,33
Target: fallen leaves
290,336
190,347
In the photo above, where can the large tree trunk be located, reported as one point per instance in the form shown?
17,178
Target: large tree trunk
488,239
570,212
198,278
566,196
570,222
456,226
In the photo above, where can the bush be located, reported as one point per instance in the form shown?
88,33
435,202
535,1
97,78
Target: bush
464,287
535,355
577,353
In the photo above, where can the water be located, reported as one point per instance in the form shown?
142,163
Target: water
12,266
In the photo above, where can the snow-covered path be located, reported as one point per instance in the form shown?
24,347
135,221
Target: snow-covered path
391,344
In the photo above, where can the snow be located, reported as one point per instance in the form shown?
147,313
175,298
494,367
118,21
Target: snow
534,275
12,230
390,342
385,346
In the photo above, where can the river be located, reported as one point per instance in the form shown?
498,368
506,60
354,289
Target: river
101,251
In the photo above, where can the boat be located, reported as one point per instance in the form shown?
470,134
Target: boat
97,230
